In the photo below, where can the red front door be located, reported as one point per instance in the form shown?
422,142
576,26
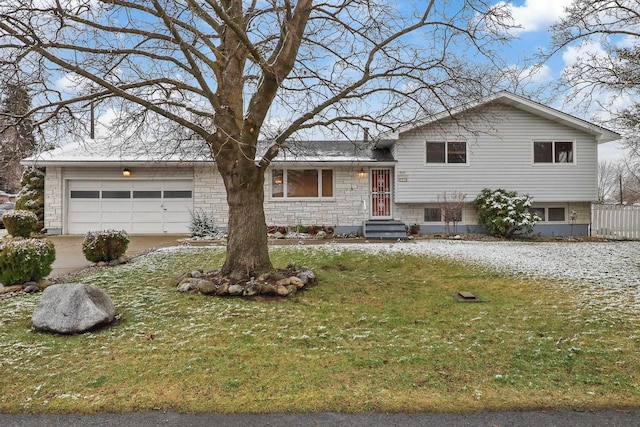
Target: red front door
380,193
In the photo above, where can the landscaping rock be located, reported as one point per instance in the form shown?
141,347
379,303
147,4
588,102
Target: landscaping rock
268,289
43,284
205,287
282,291
29,289
296,282
70,308
292,289
223,289
307,276
252,289
321,235
235,290
9,289
182,278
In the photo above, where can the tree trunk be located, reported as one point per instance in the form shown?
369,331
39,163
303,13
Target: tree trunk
247,248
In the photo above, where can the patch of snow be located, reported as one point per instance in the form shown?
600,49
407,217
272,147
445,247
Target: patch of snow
606,274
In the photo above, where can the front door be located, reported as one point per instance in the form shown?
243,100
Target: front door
380,193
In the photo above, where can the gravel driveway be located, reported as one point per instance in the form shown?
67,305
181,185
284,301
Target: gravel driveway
606,274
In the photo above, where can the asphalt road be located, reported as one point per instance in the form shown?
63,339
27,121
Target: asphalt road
489,419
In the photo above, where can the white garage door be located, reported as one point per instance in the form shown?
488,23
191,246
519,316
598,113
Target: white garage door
162,206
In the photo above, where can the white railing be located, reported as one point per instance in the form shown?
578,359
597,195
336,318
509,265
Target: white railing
615,221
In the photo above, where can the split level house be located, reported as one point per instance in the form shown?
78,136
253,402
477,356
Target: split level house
369,187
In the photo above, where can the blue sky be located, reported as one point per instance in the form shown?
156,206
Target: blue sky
535,17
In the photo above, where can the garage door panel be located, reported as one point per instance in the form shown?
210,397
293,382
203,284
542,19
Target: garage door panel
154,217
134,206
119,217
144,228
84,208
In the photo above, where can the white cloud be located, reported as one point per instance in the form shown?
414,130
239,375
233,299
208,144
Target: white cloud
537,74
536,15
588,49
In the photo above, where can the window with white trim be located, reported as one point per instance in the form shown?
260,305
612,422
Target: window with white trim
550,214
553,152
438,214
302,183
454,152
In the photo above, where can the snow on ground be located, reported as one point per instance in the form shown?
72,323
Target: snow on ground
606,275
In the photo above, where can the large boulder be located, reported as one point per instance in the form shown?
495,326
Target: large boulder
72,308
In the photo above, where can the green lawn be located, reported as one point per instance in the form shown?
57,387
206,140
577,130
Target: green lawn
378,333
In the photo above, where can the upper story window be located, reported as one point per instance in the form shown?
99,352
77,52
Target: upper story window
553,152
446,152
302,183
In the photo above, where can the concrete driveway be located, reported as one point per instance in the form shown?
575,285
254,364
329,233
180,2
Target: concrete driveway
69,256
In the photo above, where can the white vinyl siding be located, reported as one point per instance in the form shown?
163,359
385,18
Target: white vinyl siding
501,148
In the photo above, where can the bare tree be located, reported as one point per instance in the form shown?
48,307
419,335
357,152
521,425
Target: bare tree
224,70
613,67
451,205
608,180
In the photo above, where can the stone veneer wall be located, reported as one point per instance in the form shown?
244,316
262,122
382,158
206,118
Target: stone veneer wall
344,209
53,200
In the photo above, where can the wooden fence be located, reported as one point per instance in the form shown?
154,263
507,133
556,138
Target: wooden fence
615,221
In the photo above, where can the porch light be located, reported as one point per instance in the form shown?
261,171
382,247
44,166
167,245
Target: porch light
362,173
126,172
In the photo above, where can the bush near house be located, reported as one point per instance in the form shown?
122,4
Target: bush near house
20,223
25,260
31,196
505,213
105,245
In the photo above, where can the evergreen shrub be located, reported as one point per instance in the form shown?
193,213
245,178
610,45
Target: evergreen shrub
20,223
505,213
31,196
24,260
105,245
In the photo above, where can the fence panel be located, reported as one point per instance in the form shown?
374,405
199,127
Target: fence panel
615,221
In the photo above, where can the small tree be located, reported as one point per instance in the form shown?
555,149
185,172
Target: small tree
31,196
451,206
504,213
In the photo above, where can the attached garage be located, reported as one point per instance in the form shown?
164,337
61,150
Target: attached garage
136,206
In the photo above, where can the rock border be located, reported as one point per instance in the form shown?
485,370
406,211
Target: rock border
278,283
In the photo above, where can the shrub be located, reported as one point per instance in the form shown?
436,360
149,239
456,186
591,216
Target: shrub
504,213
31,196
202,224
105,245
24,260
20,223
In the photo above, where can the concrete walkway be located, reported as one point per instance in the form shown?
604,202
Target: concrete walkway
69,256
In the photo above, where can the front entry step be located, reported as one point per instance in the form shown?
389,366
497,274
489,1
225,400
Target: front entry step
385,230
